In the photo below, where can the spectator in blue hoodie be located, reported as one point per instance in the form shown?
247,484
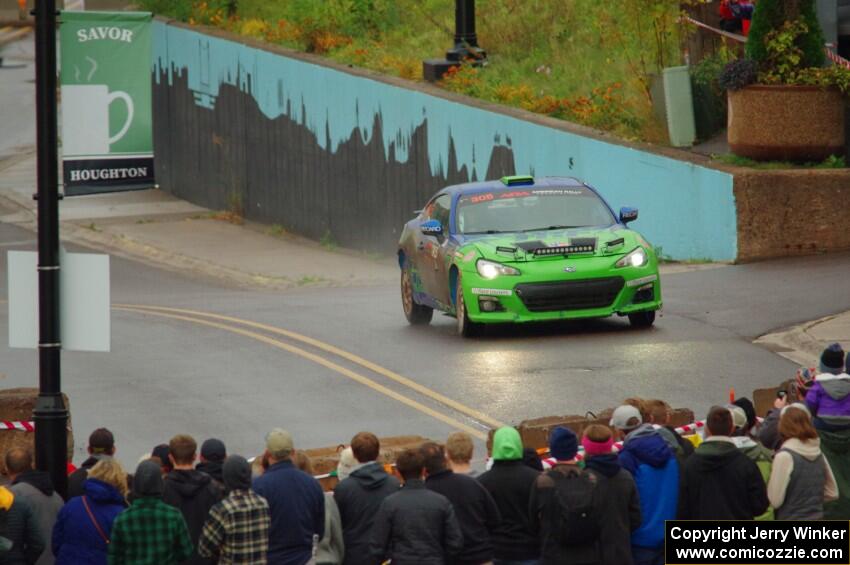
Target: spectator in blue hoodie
648,457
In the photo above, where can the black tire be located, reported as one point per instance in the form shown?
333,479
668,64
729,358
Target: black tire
416,314
465,326
642,319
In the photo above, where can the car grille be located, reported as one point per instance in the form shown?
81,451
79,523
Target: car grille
570,295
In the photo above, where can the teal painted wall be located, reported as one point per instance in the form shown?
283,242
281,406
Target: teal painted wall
686,209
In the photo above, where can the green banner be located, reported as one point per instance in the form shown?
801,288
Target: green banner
106,137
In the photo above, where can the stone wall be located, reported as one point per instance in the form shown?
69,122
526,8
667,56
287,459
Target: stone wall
791,212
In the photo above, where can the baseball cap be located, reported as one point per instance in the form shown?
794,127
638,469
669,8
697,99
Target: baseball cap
739,417
279,443
622,415
101,441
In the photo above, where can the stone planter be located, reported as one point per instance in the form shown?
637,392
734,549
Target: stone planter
786,123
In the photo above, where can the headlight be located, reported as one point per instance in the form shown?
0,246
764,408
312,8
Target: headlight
491,269
637,258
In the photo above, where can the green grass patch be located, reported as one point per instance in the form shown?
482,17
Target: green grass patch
584,61
831,162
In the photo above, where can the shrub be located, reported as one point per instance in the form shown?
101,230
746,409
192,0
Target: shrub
738,74
771,15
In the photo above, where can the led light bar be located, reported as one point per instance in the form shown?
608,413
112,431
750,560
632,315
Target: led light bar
563,250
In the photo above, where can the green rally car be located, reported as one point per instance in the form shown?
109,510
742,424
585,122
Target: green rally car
522,249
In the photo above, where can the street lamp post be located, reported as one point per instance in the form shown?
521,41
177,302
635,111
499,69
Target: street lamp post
50,415
465,44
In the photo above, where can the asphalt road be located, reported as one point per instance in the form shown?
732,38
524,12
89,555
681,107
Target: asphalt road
236,377
167,375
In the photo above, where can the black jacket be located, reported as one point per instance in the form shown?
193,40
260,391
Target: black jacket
719,482
193,493
476,513
620,508
415,527
510,484
545,514
213,469
18,524
358,498
78,477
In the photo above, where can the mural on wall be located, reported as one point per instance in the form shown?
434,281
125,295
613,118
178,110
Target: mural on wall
321,151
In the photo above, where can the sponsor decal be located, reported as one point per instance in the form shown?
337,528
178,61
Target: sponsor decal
492,291
642,280
469,257
569,269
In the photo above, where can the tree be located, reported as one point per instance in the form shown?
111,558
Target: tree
770,15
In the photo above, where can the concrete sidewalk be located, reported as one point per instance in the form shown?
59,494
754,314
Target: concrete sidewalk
803,344
155,227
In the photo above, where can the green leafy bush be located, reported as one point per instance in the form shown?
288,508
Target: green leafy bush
771,15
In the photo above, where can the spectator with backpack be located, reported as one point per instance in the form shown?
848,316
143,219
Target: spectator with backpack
619,498
648,457
565,506
510,482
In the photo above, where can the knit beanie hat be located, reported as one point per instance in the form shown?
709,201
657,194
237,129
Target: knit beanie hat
213,450
236,473
563,444
832,359
747,406
148,479
593,448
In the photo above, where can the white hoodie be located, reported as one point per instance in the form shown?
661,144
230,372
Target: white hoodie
783,466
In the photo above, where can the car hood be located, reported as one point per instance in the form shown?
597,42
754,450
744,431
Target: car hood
519,247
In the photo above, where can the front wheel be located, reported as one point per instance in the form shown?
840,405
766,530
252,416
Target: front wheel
642,319
416,314
465,326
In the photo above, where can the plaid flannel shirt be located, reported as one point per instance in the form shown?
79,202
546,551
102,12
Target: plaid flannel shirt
237,530
150,532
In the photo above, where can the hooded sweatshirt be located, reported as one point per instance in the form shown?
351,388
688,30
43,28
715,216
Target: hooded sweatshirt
510,482
799,493
648,457
193,493
836,448
721,483
762,457
75,539
21,529
620,508
829,399
358,497
213,469
36,489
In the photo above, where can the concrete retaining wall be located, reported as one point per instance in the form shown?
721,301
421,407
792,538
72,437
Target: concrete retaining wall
324,149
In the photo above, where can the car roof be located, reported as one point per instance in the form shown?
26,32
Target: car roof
484,186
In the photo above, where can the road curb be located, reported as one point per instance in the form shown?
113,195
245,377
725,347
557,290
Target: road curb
796,343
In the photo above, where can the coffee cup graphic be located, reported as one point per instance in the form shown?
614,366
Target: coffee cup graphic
85,118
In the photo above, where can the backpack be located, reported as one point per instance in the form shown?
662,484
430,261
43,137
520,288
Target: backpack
576,500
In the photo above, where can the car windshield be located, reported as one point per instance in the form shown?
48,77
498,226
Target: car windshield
531,210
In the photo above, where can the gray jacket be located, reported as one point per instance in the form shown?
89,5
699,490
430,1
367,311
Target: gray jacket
416,526
331,550
36,489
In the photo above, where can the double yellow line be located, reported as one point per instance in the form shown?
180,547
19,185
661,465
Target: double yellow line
238,326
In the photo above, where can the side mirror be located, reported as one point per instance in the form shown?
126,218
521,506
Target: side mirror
432,227
628,215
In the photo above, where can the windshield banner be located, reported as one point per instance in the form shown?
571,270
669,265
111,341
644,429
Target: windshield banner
106,138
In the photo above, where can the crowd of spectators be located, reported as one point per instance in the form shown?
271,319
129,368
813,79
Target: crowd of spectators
601,498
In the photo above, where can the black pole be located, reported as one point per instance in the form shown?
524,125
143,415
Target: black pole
465,24
50,414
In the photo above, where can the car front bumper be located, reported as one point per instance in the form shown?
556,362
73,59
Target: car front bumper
558,295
